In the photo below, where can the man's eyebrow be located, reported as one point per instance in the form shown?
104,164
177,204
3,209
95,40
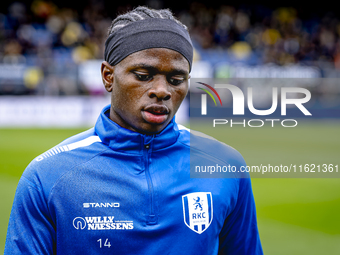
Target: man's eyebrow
143,65
154,69
180,71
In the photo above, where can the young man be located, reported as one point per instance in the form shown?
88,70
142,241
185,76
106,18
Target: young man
124,187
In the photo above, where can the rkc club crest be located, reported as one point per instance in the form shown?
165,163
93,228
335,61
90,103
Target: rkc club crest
198,210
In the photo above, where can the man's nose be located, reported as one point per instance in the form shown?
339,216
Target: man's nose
160,89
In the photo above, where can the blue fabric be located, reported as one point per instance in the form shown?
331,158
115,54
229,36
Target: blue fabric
110,190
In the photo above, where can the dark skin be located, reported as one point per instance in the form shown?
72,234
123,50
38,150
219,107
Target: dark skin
147,88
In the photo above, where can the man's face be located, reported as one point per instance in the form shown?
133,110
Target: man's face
147,88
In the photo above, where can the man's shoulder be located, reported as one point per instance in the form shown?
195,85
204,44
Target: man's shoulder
48,167
203,144
72,144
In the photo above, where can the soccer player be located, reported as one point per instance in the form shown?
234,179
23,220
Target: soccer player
124,186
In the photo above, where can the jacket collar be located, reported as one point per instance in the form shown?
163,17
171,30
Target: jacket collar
121,139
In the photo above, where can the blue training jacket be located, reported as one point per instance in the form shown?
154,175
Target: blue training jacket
110,190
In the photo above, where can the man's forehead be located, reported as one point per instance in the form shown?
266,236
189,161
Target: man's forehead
156,58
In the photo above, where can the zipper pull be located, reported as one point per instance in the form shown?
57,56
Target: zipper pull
147,141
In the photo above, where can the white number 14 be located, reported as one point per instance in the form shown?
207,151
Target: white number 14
106,243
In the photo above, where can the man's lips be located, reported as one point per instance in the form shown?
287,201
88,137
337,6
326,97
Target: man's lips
155,114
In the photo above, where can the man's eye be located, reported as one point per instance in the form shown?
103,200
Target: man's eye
143,77
174,81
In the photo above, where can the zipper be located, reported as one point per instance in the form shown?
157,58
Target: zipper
152,218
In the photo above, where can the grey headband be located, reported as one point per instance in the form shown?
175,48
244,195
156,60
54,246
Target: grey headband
146,34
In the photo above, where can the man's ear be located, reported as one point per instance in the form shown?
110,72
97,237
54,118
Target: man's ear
107,75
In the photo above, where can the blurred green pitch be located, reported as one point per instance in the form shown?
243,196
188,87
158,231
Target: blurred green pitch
295,215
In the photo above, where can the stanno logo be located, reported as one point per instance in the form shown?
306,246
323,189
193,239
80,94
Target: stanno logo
89,205
101,223
198,211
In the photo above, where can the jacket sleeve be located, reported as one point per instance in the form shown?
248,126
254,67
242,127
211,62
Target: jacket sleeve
30,228
240,234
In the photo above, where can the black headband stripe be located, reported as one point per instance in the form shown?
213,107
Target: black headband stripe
146,34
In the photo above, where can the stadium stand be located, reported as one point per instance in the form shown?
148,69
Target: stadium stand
44,44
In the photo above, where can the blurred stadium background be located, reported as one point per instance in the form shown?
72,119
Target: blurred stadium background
50,89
